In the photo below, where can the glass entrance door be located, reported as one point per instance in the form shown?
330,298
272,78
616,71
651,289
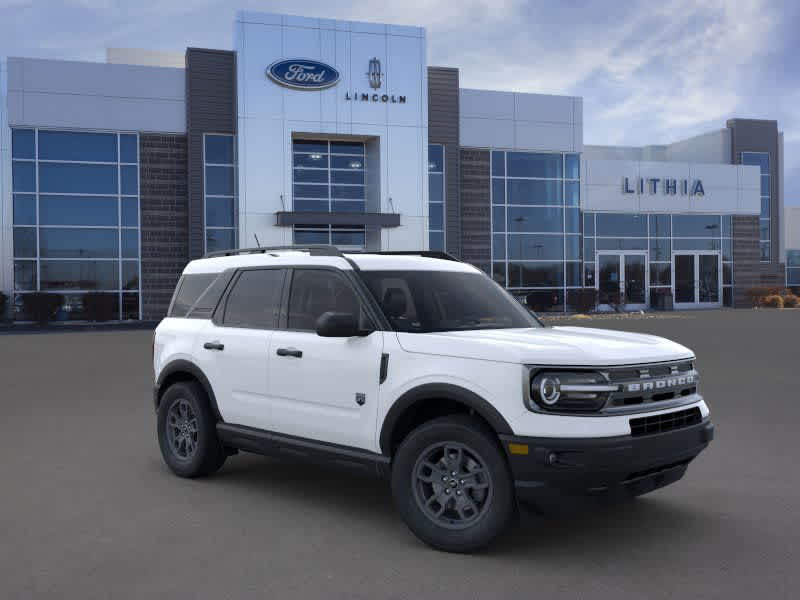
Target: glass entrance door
697,279
622,280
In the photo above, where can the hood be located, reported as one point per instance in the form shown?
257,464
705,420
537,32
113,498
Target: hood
571,346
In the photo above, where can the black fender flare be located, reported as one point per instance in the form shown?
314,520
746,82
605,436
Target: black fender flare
446,391
184,366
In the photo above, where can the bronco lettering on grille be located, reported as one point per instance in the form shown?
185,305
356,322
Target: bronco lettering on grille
659,384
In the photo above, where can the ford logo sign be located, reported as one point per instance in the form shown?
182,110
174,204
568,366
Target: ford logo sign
303,74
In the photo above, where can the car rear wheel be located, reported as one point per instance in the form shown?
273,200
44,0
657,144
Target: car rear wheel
451,484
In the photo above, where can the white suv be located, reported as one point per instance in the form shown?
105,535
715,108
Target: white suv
421,369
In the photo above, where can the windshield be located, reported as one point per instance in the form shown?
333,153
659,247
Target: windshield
429,301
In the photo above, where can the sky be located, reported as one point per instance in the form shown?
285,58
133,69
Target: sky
649,72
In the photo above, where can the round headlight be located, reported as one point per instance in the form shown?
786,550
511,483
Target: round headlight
548,388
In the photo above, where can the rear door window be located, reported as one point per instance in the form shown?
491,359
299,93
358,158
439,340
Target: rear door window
255,299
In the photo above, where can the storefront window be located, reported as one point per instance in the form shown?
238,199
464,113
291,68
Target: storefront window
219,158
436,197
761,160
76,219
793,268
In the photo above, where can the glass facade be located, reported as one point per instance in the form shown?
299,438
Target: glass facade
328,176
536,241
436,197
761,160
76,219
219,167
793,268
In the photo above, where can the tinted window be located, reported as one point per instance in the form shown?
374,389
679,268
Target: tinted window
79,275
696,225
77,179
525,191
621,225
529,164
73,145
24,209
315,292
219,149
77,210
22,143
128,151
189,290
255,300
78,243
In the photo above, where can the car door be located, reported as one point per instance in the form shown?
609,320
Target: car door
324,388
235,346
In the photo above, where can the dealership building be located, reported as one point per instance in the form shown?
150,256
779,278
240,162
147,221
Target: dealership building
113,175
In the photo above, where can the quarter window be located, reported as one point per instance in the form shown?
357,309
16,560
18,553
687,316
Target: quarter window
255,299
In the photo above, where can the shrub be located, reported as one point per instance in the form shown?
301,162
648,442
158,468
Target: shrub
773,301
99,306
790,301
758,295
41,306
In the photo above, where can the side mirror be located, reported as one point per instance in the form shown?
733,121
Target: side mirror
339,324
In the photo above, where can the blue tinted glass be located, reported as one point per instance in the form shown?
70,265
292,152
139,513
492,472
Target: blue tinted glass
572,220
130,274
660,274
436,188
77,210
23,144
535,247
499,246
573,166
347,192
588,224
727,249
310,146
765,185
436,216
759,159
793,258
588,271
219,239
24,209
311,175
25,275
78,243
74,145
544,274
765,208
660,249
498,218
573,274
588,249
764,229
311,205
219,181
347,238
311,237
347,148
625,225
130,243
310,191
348,206
498,164
572,191
695,244
539,220
129,180
435,158
80,275
727,225
130,212
340,162
621,244
696,225
78,179
219,212
25,242
436,241
320,161
353,177
23,176
793,277
766,251
660,226
128,149
529,164
527,191
498,191
219,149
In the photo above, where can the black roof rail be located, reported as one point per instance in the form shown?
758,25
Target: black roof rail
312,249
423,253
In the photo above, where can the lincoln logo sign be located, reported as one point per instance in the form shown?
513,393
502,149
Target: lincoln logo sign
302,74
667,186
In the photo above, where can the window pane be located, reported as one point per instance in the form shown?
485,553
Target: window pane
572,244
23,144
660,249
347,148
345,162
310,146
727,273
436,241
352,176
189,290
25,275
572,220
535,247
436,216
660,274
660,226
573,274
621,243
498,191
545,300
573,166
128,148
529,164
130,274
311,205
130,307
77,179
77,210
623,225
255,300
588,249
759,159
793,277
350,192
219,181
499,247
695,244
74,145
499,273
315,161
130,243
521,191
763,229
696,225
498,218
588,224
78,243
765,251
219,212
219,149
219,239
348,238
588,274
24,209
129,180
348,206
436,187
25,242
498,163
572,190
130,212
310,191
793,258
536,274
311,175
23,176
765,208
79,275
765,185
319,236
314,292
727,249
727,226
435,158
540,220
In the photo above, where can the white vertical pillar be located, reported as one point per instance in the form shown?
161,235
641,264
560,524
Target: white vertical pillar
6,204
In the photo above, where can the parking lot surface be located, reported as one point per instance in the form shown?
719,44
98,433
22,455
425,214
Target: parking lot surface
88,510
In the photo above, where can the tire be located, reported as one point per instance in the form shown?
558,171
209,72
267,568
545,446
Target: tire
190,446
455,514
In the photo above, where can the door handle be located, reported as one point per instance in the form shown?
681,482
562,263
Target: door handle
290,352
214,346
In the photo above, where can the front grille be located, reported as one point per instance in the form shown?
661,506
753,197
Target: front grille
665,422
647,378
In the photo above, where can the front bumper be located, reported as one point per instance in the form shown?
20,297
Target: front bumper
553,473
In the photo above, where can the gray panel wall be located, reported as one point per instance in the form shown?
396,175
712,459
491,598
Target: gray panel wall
746,255
476,217
164,219
443,119
210,108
